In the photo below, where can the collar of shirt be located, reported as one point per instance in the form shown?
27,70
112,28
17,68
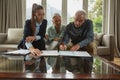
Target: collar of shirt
37,27
55,29
38,24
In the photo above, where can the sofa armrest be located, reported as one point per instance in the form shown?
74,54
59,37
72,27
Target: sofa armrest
108,41
112,46
3,37
103,50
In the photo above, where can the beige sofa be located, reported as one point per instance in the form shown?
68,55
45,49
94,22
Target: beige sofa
105,43
11,39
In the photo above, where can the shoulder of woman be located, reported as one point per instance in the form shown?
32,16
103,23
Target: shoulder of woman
44,20
28,21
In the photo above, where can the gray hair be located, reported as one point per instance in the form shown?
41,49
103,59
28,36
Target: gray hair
81,12
56,14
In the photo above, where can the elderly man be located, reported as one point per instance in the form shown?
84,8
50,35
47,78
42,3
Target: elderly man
78,36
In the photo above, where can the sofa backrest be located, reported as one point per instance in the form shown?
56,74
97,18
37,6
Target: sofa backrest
3,37
14,35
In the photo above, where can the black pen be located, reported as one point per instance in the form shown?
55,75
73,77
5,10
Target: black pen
58,48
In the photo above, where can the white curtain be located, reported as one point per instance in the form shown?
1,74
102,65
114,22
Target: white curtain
10,14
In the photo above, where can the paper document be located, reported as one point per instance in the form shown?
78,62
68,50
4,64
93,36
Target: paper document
75,53
66,53
50,53
21,52
53,53
82,53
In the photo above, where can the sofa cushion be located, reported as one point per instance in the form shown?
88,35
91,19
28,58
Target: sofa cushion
103,50
14,35
8,46
98,38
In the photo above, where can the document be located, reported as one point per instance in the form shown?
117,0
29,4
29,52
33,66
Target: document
18,52
52,53
66,53
75,53
82,54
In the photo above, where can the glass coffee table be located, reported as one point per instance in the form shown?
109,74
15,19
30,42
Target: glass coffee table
12,67
10,63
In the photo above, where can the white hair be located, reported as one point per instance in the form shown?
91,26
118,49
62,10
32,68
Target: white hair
81,12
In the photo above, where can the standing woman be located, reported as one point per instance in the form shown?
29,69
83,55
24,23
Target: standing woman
33,39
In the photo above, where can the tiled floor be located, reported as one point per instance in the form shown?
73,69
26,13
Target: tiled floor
116,61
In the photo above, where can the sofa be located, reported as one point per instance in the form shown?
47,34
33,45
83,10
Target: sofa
105,43
11,39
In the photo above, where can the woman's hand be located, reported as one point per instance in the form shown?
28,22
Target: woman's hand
56,39
75,47
63,47
30,38
35,53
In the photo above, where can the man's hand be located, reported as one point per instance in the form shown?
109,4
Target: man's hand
30,38
63,47
75,47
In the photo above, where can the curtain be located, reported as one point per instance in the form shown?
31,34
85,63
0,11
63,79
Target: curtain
10,15
117,27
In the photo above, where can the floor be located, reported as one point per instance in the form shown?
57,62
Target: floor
116,61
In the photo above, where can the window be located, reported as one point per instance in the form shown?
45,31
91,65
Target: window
29,4
53,6
73,6
95,10
95,14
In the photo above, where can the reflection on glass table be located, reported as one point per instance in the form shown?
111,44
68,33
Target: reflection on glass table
59,64
11,63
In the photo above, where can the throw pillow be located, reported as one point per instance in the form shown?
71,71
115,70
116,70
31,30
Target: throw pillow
14,35
98,38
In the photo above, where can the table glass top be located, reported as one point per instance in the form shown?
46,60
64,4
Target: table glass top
61,64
